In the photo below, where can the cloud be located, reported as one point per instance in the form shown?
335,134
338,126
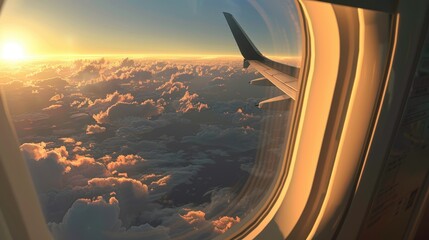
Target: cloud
182,76
161,182
124,163
122,110
171,88
34,151
95,72
79,149
53,107
224,223
81,169
154,142
220,225
90,219
68,140
87,72
243,117
83,102
134,187
94,129
194,217
126,62
98,219
132,194
128,73
217,81
102,104
41,161
186,104
165,71
57,97
62,171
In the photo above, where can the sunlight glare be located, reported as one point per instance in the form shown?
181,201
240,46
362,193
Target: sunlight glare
13,51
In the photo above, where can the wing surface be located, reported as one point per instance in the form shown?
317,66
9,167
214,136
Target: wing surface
283,76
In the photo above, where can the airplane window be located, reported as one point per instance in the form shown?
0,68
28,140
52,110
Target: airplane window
137,119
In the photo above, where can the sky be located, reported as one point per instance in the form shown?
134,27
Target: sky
186,27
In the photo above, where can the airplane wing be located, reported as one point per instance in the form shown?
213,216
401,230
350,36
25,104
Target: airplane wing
283,76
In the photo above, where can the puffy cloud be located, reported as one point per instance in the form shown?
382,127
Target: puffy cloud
94,129
149,176
42,161
128,73
110,184
132,194
165,71
171,88
94,72
79,149
89,219
35,151
124,163
90,72
62,171
98,219
188,97
126,62
68,140
81,160
57,97
81,169
162,181
187,75
105,158
220,225
243,116
218,81
186,104
84,102
121,110
53,107
102,104
194,217
224,223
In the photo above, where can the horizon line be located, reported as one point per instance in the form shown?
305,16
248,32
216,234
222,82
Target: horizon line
164,56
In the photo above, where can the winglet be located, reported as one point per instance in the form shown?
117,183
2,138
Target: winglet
247,48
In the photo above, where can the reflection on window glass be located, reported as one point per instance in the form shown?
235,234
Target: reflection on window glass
136,118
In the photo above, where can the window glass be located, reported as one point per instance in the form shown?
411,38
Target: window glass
136,118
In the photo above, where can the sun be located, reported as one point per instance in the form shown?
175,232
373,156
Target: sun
13,51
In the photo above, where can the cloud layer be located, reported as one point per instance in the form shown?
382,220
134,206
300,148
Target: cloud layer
138,149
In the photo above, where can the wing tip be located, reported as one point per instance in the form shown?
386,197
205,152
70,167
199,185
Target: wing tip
247,48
